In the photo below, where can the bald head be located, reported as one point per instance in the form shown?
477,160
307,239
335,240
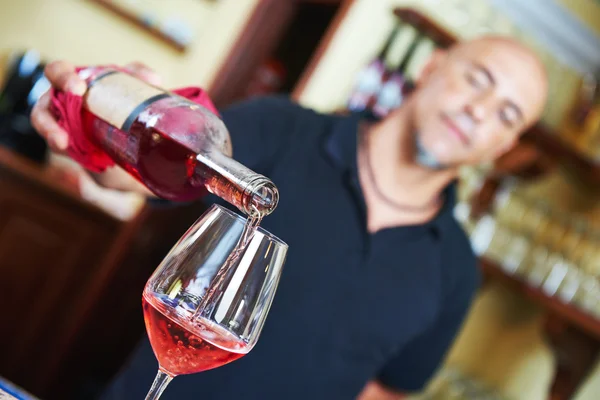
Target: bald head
475,99
512,61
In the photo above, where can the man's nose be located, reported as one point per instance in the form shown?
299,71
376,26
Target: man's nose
481,107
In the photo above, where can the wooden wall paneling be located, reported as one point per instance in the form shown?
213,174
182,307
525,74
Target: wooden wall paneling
115,324
51,246
575,352
258,39
96,290
75,277
322,48
325,2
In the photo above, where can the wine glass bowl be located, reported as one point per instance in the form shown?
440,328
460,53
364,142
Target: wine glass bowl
206,303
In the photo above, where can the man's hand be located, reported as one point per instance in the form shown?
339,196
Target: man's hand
123,205
63,76
376,391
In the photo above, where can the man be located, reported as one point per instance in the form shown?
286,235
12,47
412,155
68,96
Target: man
379,275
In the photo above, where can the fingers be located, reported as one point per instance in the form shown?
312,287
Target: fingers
122,205
44,123
144,72
62,76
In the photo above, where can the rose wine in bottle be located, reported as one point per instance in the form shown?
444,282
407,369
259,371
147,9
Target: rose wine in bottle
369,79
397,84
185,347
177,148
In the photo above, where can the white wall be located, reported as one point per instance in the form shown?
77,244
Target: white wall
86,33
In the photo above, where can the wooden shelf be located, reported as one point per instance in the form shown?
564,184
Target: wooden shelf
572,335
424,24
323,2
48,177
585,169
565,311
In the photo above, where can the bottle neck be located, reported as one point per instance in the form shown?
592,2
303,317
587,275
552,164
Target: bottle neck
252,193
408,56
388,43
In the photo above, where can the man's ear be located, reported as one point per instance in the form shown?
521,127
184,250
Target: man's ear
434,61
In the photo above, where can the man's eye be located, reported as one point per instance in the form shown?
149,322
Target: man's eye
477,79
508,116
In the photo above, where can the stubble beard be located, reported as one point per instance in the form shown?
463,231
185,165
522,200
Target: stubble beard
424,158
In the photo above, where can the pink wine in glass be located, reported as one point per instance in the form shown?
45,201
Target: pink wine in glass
177,148
182,348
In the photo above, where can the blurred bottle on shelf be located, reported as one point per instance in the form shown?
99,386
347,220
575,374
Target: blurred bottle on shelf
397,84
581,126
370,79
553,249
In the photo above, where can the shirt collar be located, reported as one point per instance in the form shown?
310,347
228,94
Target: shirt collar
341,142
340,147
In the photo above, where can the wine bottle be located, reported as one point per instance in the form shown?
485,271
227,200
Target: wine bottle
175,147
397,83
369,79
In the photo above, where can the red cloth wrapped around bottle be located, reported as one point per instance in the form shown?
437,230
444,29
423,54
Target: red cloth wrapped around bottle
67,109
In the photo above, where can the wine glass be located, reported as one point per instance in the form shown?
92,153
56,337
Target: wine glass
207,301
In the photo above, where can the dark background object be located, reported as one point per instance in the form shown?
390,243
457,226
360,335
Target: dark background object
23,84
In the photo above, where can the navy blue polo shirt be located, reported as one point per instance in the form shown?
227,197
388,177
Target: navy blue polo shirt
351,306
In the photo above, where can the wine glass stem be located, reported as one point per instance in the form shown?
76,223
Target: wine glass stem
158,386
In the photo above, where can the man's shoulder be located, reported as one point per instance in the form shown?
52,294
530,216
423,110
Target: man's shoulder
274,106
277,116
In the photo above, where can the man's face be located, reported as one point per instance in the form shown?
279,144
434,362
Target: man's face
475,101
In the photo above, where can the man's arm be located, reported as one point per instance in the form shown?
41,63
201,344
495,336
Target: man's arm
376,391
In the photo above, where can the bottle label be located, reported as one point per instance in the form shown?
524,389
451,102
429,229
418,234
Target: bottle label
390,96
369,80
117,98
